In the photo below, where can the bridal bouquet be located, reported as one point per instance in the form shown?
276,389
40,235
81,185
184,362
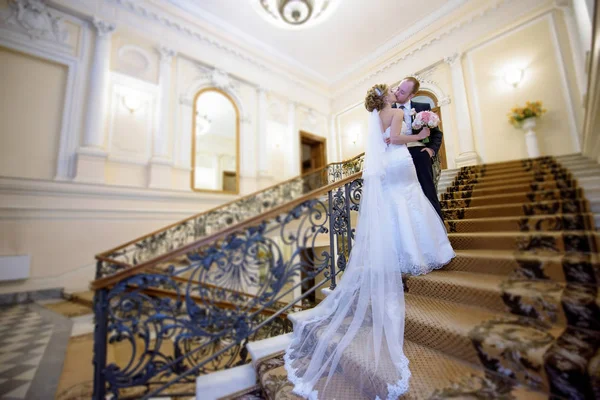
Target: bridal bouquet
427,119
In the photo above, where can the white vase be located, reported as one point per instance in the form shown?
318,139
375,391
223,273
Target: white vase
530,138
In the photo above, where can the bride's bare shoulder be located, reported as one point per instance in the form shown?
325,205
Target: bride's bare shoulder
392,111
397,112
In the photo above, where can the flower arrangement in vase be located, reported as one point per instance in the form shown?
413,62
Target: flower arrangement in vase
519,115
525,118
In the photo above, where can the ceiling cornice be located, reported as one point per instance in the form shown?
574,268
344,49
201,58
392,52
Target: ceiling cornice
245,39
395,59
200,32
450,7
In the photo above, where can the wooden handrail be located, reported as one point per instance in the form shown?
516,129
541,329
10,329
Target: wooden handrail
104,255
132,270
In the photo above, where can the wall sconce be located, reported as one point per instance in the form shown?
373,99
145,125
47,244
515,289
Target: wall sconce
513,76
132,103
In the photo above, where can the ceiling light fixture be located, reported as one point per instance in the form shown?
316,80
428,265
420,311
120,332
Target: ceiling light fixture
295,14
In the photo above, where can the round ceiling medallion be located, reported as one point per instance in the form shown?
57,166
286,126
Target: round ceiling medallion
295,14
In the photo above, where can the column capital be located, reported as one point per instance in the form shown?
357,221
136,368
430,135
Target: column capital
166,54
452,59
103,28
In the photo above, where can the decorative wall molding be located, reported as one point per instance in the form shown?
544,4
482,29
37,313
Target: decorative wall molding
451,59
36,19
220,79
491,7
173,23
558,53
421,25
128,54
444,101
166,54
44,189
122,145
45,44
277,110
577,53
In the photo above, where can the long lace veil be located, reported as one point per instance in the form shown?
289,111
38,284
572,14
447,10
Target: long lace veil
352,346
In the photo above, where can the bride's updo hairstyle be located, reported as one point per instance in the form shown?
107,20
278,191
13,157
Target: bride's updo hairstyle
375,98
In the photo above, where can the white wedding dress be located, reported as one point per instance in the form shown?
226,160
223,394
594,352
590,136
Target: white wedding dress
352,345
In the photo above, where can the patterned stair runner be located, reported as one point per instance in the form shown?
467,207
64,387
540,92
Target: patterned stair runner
516,315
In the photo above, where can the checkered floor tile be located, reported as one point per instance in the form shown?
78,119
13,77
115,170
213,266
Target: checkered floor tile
24,336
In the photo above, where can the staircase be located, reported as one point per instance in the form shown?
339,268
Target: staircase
515,315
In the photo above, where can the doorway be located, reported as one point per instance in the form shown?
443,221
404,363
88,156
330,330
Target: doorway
313,154
425,96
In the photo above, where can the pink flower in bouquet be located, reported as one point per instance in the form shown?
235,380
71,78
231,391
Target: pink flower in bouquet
425,119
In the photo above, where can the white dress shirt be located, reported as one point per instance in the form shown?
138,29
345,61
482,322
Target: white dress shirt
407,116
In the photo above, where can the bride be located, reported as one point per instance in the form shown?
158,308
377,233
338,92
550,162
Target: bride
352,345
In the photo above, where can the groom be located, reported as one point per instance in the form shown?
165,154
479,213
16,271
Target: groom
422,153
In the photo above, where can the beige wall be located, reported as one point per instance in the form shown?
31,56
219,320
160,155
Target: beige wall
533,48
490,41
352,126
32,98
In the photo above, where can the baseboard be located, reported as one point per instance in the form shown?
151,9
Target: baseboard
7,299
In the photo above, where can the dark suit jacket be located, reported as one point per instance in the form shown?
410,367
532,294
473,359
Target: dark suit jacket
435,138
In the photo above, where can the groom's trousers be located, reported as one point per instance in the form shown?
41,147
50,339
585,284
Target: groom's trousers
423,165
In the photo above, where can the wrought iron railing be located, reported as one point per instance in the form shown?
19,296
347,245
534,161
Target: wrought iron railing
146,249
191,310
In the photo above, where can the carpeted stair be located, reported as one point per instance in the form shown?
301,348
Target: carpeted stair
516,315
